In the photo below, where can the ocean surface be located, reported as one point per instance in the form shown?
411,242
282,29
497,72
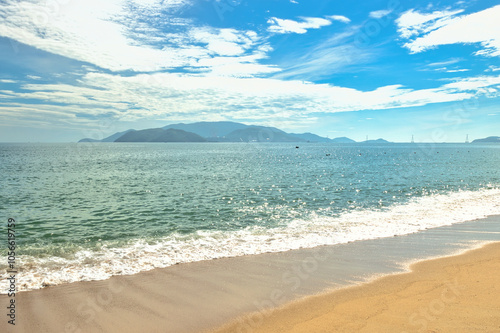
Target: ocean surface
93,210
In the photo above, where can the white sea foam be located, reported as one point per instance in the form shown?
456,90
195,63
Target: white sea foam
416,215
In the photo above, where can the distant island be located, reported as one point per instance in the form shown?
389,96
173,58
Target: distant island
376,141
160,135
490,139
228,131
221,131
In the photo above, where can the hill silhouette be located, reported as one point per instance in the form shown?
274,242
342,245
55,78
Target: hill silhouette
220,131
160,135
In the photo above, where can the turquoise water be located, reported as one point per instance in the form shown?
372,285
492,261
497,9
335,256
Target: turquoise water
89,211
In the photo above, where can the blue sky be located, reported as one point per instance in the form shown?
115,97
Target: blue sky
71,69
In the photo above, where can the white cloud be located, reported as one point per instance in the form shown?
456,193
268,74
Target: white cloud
445,28
174,96
7,81
480,84
161,3
444,63
457,70
108,35
225,68
493,69
339,18
380,13
225,42
84,31
332,55
443,66
33,77
284,26
412,23
245,66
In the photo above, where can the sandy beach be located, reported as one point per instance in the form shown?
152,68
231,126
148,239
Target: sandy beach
230,166
452,294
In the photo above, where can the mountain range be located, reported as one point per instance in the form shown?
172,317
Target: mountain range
495,139
227,131
160,135
221,131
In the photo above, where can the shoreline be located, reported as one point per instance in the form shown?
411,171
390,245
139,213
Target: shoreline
202,296
70,262
456,293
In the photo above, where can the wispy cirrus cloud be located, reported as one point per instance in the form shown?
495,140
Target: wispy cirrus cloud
488,85
492,68
377,14
430,30
339,18
457,70
332,55
444,66
445,63
33,77
285,26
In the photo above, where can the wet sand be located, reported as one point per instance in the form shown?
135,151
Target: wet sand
201,296
453,294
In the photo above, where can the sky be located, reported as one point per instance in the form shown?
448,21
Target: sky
388,69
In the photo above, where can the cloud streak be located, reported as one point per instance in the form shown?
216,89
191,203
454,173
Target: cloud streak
173,96
285,26
339,18
332,55
428,31
379,13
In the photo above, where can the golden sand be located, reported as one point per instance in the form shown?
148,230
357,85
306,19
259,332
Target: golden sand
452,294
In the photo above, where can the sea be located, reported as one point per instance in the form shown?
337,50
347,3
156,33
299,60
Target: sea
89,211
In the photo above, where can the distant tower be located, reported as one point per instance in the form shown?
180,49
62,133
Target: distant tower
467,139
412,141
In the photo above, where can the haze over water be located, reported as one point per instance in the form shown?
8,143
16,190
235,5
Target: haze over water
89,211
